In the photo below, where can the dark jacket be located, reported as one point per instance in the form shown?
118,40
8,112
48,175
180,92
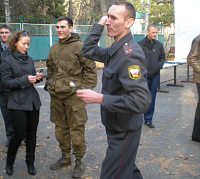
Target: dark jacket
125,89
65,63
14,74
2,55
193,59
155,55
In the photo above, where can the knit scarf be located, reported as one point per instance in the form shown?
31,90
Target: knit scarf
20,56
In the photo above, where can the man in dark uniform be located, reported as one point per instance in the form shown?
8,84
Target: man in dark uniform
155,55
125,94
4,33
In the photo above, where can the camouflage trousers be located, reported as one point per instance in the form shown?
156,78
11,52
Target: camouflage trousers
69,116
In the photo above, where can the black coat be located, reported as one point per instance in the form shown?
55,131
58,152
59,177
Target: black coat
155,55
14,74
2,55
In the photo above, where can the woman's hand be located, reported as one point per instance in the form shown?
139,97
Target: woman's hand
39,76
32,79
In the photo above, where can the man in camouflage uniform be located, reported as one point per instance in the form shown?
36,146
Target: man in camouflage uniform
67,66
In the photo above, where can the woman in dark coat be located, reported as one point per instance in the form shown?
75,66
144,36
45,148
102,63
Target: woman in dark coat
18,74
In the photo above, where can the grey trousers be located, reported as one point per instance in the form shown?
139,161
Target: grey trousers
119,162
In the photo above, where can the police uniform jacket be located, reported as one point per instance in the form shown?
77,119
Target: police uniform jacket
14,74
126,94
155,55
65,63
193,59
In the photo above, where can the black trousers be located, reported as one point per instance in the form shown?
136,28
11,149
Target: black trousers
119,162
6,114
196,128
24,123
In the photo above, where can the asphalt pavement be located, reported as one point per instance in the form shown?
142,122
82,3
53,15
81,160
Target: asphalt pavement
165,152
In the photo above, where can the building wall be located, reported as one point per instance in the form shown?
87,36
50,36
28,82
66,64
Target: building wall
187,26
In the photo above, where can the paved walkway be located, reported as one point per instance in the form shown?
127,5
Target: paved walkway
165,152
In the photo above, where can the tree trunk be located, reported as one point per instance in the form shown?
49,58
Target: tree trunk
147,15
108,41
45,7
103,7
70,11
7,11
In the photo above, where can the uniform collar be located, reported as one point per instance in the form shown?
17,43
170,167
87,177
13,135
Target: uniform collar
115,46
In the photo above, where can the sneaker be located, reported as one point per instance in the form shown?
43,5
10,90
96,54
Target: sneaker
78,169
62,162
149,124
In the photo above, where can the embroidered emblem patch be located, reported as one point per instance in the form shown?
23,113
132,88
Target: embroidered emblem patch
134,72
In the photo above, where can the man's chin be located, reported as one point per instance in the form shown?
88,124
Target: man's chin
109,34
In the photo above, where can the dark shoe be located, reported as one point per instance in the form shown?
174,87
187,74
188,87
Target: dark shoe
31,169
195,139
62,162
149,124
78,169
9,168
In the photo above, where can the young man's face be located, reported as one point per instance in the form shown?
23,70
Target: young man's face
63,30
4,33
117,22
152,33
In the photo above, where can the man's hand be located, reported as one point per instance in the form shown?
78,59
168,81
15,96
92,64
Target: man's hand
90,96
103,20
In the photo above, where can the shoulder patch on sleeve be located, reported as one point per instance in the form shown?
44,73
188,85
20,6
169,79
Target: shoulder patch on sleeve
134,72
128,48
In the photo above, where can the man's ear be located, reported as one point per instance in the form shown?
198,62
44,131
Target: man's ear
71,29
147,32
129,23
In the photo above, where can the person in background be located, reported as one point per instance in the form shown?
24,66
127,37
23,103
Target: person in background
193,60
18,74
5,31
155,56
68,70
125,94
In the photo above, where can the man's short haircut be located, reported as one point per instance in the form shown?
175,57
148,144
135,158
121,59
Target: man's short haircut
130,9
5,26
69,20
150,26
